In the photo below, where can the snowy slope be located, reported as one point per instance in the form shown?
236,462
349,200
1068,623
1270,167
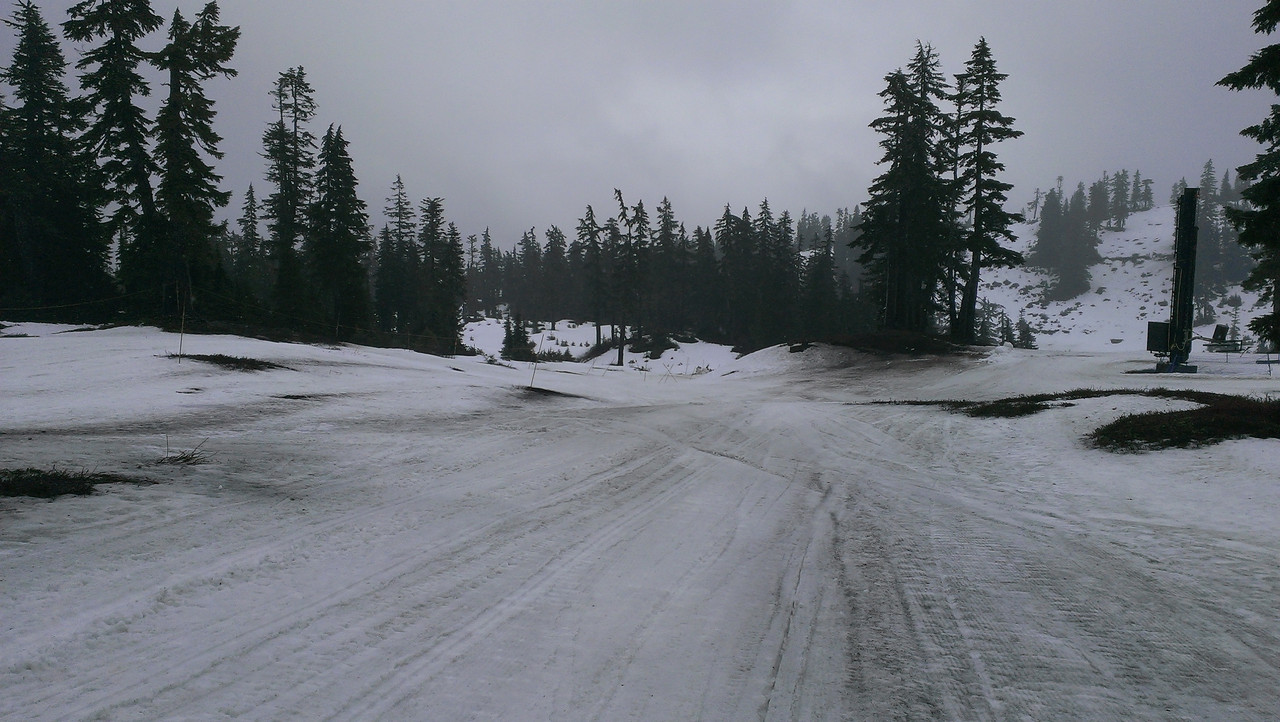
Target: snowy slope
379,534
1131,286
578,338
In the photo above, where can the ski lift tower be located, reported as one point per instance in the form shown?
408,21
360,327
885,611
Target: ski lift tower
1172,340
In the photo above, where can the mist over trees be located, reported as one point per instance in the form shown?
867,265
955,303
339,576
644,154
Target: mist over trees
109,211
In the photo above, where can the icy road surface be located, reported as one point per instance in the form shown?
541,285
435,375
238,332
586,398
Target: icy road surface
383,535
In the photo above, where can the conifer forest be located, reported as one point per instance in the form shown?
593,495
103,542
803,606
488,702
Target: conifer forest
111,213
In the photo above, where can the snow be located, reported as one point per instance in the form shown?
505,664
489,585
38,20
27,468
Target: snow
577,339
383,534
1130,287
379,534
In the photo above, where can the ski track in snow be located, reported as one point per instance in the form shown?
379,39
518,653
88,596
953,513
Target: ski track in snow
379,535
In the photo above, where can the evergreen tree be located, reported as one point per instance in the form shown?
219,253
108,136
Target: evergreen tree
290,152
1120,200
1100,203
453,286
516,345
735,241
1079,250
707,284
188,194
53,251
387,282
120,132
906,220
593,269
818,306
434,315
667,271
1257,222
1047,252
555,275
1024,336
337,238
397,256
1210,221
981,126
489,290
249,268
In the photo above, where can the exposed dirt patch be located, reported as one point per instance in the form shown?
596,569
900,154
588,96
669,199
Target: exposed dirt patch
234,363
55,482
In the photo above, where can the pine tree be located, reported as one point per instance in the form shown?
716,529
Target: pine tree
982,126
188,194
906,221
1024,336
1120,200
53,250
249,267
1079,249
593,268
489,291
516,345
1100,203
1209,239
555,275
1257,223
1135,199
1046,252
397,261
666,277
388,283
451,288
432,311
736,243
290,152
120,132
818,306
336,239
707,283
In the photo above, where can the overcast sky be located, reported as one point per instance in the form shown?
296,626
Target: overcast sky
521,113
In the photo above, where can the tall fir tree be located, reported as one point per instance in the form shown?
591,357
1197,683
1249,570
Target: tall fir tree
250,272
1120,193
1047,251
397,260
336,240
289,148
451,289
188,192
907,221
555,275
53,249
1079,249
120,133
1258,221
981,126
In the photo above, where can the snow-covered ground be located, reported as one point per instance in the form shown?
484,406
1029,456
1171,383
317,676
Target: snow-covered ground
379,534
578,338
1130,287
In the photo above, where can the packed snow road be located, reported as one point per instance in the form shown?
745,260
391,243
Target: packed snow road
377,534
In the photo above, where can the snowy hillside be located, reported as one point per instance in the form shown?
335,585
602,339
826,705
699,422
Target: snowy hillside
1130,287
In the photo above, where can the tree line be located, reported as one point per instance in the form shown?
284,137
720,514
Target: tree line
83,175
749,280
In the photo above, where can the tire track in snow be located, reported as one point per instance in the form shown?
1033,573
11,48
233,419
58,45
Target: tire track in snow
244,642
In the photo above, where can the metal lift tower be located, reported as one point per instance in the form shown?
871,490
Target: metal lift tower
1173,339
